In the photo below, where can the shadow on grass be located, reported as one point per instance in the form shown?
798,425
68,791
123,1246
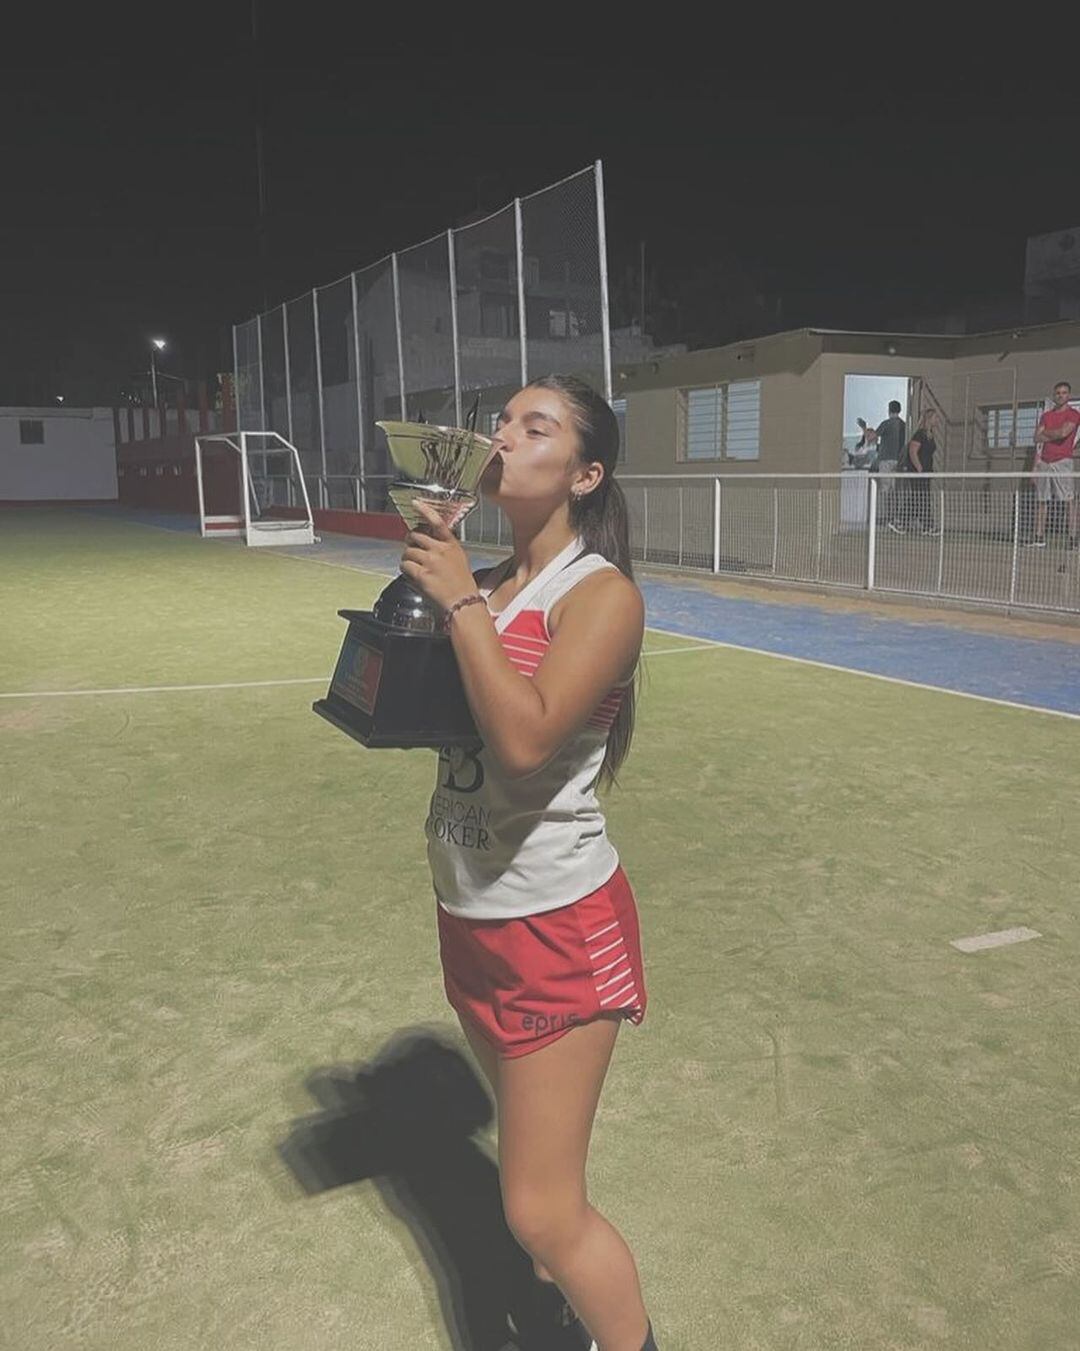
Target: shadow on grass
406,1120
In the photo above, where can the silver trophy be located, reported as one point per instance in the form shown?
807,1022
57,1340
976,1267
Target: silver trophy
396,682
441,466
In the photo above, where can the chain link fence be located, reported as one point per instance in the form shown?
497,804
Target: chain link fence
438,330
965,537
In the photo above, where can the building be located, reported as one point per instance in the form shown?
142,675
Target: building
788,403
57,454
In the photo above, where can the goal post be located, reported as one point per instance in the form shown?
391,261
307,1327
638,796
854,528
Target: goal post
274,507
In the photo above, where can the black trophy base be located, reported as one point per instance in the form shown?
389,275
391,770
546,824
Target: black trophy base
395,688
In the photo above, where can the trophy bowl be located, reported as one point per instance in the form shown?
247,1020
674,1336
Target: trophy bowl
396,682
441,466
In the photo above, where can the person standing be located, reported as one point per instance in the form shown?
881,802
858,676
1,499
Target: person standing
891,438
921,450
1052,472
538,927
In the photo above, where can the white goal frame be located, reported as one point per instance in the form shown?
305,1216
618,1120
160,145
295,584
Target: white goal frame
255,533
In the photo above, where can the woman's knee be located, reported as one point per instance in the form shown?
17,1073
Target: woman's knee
540,1220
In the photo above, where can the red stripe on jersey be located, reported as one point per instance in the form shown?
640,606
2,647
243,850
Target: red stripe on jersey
525,640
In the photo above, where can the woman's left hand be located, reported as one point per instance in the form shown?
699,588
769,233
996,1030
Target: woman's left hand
435,562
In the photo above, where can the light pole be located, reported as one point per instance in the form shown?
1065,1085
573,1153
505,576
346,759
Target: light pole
156,345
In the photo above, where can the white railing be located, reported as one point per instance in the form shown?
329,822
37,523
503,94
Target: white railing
967,538
954,536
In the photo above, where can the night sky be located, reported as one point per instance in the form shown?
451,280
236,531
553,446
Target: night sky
845,189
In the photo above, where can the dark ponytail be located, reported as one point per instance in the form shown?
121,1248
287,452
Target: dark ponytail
602,520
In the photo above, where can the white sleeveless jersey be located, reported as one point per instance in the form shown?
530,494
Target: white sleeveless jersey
498,847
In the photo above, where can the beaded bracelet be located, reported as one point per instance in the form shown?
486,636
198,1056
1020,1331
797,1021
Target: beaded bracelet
475,599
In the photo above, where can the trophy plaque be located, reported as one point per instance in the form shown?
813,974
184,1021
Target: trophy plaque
396,682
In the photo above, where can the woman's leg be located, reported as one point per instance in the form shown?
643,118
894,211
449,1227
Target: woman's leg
486,1055
488,1060
547,1101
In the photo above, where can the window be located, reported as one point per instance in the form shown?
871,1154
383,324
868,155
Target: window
31,432
563,324
618,407
998,419
722,422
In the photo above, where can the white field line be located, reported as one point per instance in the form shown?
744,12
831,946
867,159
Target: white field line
867,675
695,644
671,651
704,645
222,685
698,644
165,689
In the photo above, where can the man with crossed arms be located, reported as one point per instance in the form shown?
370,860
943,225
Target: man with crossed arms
1055,440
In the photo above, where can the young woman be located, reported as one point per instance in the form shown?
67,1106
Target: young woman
537,924
920,454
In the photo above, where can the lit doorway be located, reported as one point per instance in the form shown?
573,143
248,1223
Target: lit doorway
868,397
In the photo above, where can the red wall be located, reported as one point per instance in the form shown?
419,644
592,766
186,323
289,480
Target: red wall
373,524
160,475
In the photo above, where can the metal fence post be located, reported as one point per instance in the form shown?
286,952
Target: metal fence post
454,327
817,549
288,373
1015,543
605,310
871,544
519,234
645,522
245,486
716,525
775,528
400,347
236,378
262,383
680,525
323,491
941,538
361,486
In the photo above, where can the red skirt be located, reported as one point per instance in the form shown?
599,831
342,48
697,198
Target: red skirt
523,983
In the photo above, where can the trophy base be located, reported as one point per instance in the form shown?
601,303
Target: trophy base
396,688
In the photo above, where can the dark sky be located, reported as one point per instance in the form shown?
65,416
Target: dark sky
852,185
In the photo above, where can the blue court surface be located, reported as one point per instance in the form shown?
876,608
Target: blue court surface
937,652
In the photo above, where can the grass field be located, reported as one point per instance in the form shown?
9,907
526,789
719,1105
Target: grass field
833,1129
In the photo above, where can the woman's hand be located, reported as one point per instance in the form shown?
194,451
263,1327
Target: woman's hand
435,562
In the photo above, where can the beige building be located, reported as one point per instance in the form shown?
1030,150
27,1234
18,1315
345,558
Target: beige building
788,403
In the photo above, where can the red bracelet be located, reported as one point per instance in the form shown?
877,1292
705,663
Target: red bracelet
475,599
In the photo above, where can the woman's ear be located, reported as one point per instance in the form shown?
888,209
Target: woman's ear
588,480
